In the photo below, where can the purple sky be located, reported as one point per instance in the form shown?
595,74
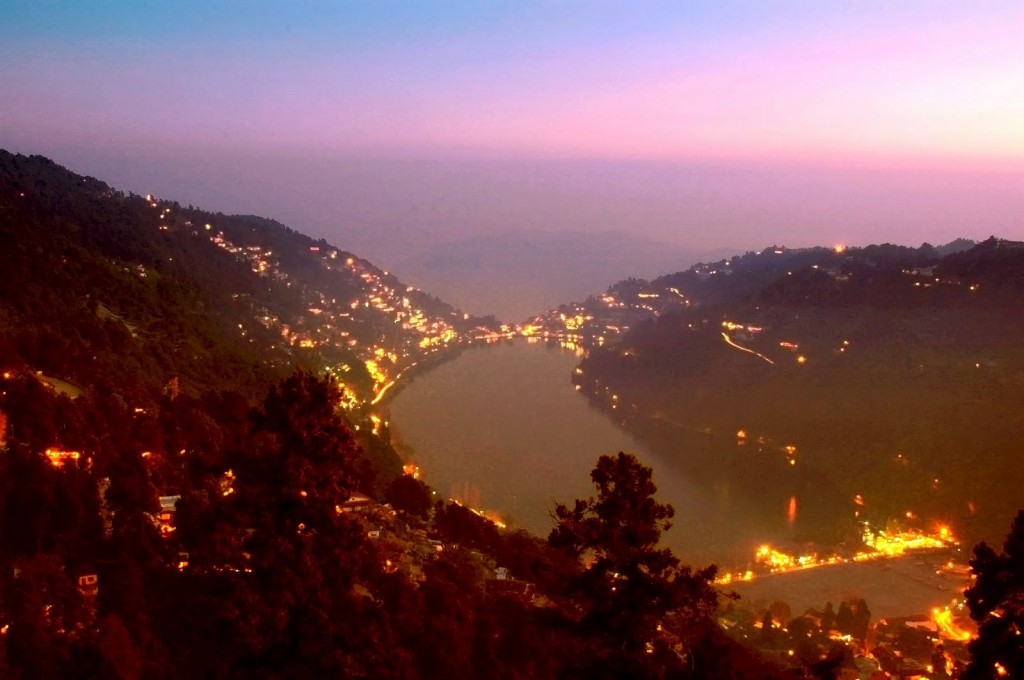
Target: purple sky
389,127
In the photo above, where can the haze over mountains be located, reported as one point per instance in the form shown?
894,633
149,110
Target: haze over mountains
519,273
398,211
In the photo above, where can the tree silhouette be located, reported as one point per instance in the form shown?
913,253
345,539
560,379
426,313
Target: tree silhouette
767,627
629,586
272,539
996,602
844,618
409,495
861,619
828,618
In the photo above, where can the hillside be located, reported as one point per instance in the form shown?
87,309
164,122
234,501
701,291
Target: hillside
879,383
131,292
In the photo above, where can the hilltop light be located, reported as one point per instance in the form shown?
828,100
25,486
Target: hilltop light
840,248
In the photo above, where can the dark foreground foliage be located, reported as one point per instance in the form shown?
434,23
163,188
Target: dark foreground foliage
266,573
996,602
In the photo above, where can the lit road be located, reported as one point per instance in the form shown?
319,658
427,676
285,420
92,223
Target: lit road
729,341
387,386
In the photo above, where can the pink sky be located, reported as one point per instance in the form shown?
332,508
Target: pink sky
390,126
834,82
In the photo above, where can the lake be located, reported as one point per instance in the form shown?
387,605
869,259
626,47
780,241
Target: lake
502,427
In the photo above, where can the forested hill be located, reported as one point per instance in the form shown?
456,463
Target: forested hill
958,274
891,376
130,293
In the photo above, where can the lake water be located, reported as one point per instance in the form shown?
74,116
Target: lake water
503,428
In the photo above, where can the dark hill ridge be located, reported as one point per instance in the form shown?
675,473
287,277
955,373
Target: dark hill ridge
131,291
896,373
958,274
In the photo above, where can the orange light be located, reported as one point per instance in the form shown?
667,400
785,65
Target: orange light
59,458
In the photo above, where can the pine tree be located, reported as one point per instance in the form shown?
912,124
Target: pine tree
996,602
630,586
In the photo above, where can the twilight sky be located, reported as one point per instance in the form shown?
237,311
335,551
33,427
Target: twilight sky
395,128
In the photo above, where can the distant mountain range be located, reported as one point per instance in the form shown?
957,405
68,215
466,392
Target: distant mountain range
876,274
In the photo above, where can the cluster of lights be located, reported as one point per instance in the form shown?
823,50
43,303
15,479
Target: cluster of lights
777,561
434,332
59,458
897,543
882,544
947,626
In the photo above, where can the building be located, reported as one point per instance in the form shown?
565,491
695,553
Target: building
168,507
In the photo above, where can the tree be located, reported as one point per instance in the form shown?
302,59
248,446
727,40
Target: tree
630,586
767,626
781,612
280,558
301,465
459,524
844,618
50,620
996,602
861,619
828,618
409,495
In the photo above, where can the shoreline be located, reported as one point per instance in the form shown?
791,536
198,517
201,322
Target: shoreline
408,374
909,585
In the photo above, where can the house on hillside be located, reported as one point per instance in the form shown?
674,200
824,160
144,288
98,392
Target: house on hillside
357,502
501,586
89,583
165,520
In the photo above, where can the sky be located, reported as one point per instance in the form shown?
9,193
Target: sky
397,128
